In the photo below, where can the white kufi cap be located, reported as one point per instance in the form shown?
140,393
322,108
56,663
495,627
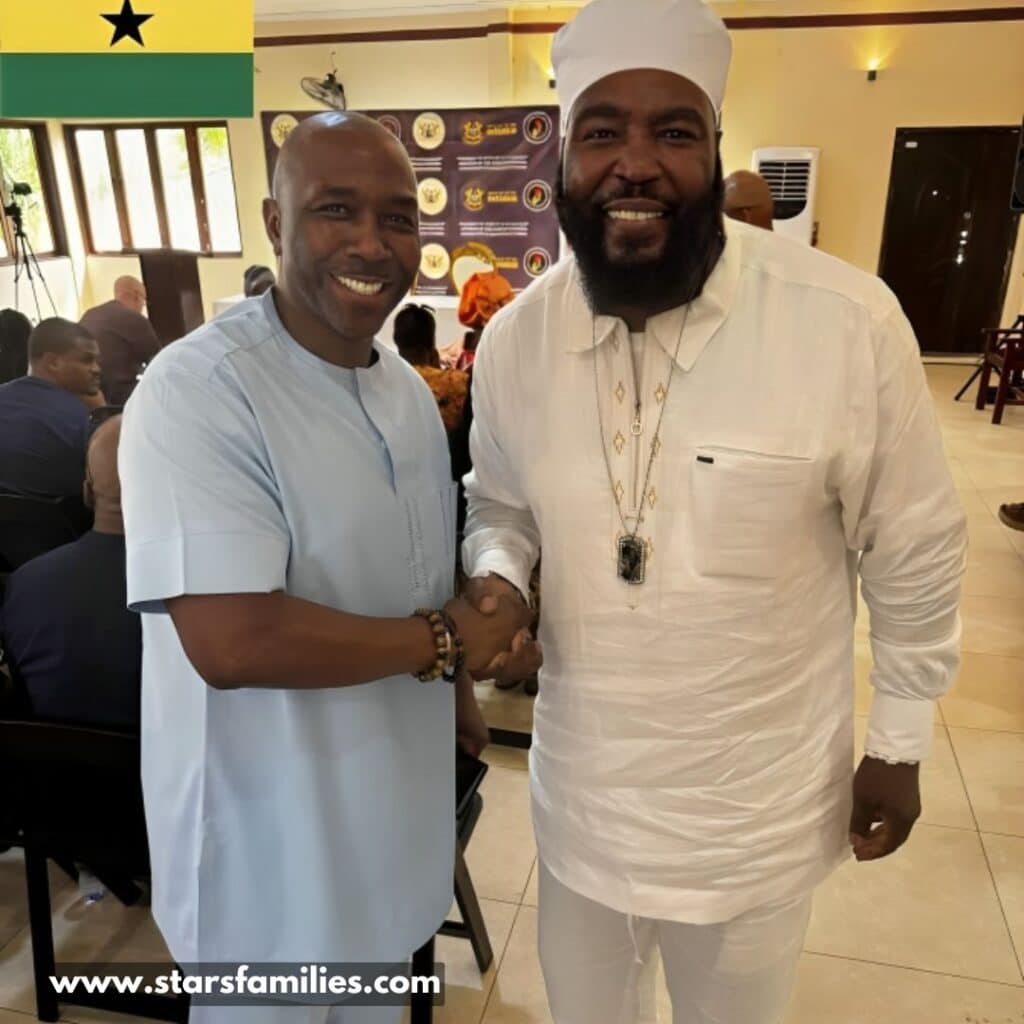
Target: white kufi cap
684,37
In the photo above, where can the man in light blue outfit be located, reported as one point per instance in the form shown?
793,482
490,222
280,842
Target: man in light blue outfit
288,507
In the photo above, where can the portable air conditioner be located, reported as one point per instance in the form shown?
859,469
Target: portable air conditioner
792,173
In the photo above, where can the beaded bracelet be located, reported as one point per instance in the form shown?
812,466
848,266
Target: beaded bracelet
457,652
442,641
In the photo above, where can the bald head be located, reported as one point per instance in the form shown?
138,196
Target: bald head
130,292
332,127
102,483
748,197
344,223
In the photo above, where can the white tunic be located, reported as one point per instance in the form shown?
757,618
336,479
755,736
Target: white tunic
289,825
693,737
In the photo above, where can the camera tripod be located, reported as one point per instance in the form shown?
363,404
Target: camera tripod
25,263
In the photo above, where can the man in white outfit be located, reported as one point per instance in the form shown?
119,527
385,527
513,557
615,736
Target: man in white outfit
712,431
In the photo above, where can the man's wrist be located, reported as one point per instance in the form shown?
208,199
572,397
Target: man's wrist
525,598
424,644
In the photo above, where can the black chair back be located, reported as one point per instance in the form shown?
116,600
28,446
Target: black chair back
32,526
75,793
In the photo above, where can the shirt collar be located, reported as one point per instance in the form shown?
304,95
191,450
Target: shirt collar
707,313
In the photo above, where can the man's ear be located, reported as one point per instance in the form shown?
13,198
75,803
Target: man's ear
88,495
272,223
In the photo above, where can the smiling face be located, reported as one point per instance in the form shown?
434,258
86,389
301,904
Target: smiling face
641,197
344,223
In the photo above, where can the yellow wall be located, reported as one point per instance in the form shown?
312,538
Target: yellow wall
802,87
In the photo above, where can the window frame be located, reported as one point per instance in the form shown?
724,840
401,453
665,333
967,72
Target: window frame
149,128
50,195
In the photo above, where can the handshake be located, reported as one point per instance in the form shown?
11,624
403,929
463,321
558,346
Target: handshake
494,622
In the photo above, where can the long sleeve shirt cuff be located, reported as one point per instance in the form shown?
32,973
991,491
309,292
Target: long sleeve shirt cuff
505,564
899,729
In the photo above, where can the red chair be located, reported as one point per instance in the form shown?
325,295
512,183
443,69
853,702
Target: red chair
1004,353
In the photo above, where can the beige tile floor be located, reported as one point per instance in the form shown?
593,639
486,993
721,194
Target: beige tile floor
934,935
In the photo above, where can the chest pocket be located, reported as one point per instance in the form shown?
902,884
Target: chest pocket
747,510
431,519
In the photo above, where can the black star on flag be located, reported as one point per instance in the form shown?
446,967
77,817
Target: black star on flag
126,23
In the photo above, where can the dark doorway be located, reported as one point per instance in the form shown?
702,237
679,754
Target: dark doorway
949,232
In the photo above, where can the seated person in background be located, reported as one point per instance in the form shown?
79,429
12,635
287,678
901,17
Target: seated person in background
482,296
748,197
65,623
257,280
44,416
127,339
416,340
15,328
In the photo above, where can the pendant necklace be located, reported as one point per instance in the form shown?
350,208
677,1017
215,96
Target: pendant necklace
631,549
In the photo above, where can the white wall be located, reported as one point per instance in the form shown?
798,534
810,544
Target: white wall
60,279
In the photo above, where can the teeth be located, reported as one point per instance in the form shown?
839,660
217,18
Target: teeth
633,215
362,287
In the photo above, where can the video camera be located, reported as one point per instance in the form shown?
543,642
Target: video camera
12,209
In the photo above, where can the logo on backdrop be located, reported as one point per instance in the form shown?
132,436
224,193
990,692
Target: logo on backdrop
281,127
434,261
537,127
428,131
537,195
392,124
433,196
473,132
537,261
474,196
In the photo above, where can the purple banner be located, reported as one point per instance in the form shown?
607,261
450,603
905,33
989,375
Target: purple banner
486,177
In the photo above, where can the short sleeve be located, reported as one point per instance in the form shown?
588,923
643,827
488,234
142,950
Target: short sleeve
201,507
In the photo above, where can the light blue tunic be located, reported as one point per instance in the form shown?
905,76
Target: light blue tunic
285,824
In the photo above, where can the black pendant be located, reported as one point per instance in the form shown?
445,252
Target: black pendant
632,560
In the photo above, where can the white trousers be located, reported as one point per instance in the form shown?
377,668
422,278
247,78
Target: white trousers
599,964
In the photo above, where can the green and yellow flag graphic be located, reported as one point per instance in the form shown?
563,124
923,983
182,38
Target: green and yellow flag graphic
126,58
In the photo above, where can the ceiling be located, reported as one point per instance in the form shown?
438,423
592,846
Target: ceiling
324,10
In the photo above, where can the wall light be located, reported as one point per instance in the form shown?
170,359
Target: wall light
873,66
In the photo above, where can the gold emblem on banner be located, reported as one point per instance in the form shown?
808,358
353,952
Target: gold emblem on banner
473,196
434,261
433,196
428,131
281,127
473,133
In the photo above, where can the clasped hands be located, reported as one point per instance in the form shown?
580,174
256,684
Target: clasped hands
494,622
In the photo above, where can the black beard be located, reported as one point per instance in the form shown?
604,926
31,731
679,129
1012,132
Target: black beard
676,276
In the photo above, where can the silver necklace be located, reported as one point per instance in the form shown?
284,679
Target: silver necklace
631,550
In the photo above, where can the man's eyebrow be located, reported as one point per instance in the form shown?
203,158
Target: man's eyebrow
598,110
681,113
402,199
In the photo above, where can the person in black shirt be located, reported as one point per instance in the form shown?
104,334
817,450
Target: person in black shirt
44,417
15,328
127,340
74,646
